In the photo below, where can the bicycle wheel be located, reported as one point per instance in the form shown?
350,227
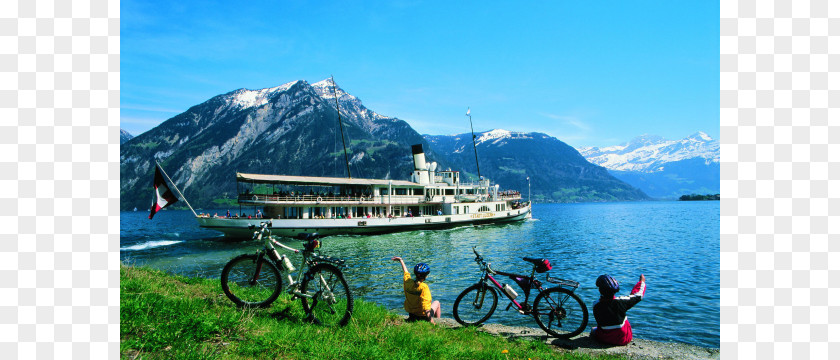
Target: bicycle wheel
560,312
331,303
472,306
243,289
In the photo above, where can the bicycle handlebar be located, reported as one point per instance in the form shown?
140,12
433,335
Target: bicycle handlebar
275,242
263,229
478,257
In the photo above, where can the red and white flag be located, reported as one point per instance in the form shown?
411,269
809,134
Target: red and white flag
163,196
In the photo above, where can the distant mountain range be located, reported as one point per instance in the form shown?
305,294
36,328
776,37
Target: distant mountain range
293,129
663,168
557,171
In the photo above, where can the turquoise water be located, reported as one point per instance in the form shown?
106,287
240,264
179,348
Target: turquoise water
675,244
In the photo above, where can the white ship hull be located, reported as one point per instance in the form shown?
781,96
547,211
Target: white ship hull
243,227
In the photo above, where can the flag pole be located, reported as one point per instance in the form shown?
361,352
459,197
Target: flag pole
341,126
474,148
176,187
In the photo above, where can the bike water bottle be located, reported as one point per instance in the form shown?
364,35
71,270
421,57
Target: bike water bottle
509,290
287,263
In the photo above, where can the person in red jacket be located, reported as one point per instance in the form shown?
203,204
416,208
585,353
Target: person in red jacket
611,311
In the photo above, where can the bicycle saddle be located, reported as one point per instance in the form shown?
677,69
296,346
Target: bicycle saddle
541,265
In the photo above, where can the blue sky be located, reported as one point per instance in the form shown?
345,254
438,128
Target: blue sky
589,74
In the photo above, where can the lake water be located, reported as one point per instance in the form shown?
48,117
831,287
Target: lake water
675,244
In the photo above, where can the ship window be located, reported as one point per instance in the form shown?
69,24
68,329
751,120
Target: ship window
484,208
466,209
401,191
450,191
383,191
456,210
418,191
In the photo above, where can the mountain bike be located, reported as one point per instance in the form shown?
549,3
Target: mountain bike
558,310
255,281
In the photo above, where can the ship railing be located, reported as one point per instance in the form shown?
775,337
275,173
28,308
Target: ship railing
318,199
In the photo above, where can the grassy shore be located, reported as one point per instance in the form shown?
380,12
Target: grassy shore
165,316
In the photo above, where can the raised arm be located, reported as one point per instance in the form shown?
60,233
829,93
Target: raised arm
397,258
640,287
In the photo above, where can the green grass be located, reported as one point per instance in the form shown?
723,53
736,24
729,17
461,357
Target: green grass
172,317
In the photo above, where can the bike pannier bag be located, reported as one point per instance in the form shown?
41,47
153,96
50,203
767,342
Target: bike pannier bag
544,266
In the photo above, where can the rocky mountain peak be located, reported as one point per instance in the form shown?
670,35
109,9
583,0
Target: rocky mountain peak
125,136
245,98
324,88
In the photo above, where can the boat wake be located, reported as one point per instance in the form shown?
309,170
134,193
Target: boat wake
150,245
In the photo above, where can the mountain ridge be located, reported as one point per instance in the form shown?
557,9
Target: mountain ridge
124,136
288,129
648,153
291,129
515,157
663,168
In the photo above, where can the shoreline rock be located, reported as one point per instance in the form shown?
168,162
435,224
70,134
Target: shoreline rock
637,349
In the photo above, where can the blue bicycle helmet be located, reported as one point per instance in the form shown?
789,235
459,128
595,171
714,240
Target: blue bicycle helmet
422,269
607,285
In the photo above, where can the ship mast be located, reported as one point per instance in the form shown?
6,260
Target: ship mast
474,148
341,126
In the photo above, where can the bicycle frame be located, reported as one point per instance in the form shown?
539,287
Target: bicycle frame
486,275
550,308
294,284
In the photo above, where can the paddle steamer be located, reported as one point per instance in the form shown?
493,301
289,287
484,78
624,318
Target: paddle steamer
431,199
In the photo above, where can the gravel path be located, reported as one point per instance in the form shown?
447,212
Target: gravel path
637,349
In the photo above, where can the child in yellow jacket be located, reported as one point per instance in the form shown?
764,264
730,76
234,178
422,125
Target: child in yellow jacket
418,298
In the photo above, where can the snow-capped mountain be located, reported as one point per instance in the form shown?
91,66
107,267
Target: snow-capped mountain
291,129
649,153
557,172
663,168
124,136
